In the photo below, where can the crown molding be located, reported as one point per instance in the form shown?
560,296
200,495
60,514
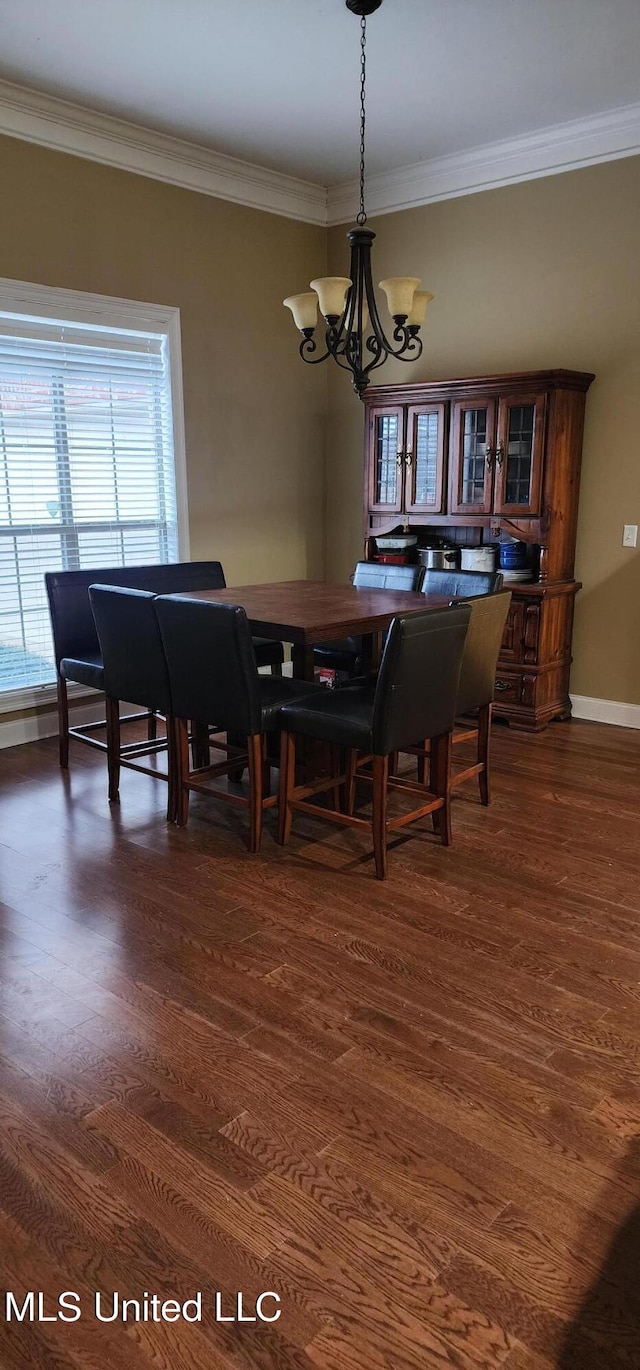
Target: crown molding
65,127
546,152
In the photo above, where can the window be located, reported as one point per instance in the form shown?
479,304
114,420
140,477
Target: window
87,457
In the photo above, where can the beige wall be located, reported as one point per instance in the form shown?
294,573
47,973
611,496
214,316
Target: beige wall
542,274
254,416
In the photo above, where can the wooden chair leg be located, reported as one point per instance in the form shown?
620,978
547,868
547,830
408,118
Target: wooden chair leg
287,785
335,758
276,668
440,784
200,750
266,768
484,752
113,747
63,721
379,822
254,751
423,767
350,783
172,767
236,772
181,737
393,763
152,727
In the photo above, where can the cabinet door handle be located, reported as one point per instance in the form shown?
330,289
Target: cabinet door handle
399,457
502,685
408,456
500,455
490,455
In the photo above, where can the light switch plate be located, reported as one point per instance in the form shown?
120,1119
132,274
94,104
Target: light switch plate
630,535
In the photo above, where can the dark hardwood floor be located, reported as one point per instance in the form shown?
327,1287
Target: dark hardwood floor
412,1109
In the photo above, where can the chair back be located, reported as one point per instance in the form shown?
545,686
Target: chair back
211,662
132,654
377,576
459,583
417,687
74,629
481,650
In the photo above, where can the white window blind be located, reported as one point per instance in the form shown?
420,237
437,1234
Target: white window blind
87,472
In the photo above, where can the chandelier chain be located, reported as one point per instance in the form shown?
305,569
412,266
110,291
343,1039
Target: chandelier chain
362,214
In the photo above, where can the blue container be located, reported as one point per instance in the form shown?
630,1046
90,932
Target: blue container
513,555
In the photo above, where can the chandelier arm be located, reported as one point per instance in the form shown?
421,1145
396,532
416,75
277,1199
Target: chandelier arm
376,322
410,349
357,333
343,329
309,345
375,346
379,358
355,270
344,365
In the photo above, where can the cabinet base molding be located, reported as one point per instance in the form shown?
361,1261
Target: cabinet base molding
613,711
534,720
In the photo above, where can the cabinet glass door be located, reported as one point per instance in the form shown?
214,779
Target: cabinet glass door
472,457
519,454
424,459
386,459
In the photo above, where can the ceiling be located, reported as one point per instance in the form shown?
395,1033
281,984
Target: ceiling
275,82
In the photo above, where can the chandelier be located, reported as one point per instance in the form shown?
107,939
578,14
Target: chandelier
355,336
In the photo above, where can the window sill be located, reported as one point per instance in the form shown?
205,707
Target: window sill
39,697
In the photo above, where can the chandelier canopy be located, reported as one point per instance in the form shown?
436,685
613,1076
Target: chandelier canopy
355,336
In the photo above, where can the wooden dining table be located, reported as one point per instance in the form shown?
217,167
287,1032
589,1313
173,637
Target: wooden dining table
304,612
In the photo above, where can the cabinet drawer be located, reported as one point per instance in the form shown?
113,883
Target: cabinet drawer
508,687
515,687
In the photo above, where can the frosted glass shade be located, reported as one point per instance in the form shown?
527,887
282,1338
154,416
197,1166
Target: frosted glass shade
419,307
332,293
400,291
304,309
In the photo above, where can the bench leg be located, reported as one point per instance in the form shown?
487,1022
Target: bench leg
254,752
113,748
63,721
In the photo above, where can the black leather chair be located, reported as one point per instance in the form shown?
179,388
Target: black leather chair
416,687
476,689
133,668
77,651
462,583
346,653
213,676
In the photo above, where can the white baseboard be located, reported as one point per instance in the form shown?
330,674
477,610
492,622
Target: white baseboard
606,711
13,732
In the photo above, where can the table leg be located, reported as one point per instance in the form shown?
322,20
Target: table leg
312,758
372,644
368,652
302,658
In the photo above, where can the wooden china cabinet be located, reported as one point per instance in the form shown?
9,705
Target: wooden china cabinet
467,460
